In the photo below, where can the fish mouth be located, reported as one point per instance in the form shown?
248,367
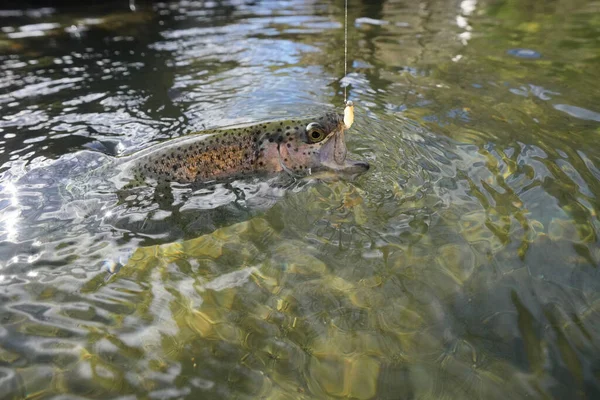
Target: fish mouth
333,156
348,166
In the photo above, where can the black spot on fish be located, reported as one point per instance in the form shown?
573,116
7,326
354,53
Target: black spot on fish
289,145
287,127
271,139
280,139
287,134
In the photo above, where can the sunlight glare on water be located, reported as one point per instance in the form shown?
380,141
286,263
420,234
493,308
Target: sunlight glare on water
462,265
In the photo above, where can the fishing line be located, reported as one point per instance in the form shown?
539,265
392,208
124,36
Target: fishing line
345,46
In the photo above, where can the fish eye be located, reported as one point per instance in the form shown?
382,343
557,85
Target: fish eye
315,132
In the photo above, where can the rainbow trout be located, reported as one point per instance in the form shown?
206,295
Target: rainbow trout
298,147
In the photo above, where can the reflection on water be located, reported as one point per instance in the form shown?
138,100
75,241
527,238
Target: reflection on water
464,264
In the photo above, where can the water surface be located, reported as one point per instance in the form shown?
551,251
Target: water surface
463,265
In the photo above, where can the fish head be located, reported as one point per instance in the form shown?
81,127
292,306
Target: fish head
317,144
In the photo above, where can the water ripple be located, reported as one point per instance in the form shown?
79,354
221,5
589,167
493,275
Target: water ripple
464,264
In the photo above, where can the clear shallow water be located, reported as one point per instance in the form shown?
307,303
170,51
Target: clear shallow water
462,265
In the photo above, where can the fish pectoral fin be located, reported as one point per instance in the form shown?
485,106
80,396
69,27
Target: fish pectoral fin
163,194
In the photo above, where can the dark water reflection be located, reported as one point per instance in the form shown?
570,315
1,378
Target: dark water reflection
464,264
